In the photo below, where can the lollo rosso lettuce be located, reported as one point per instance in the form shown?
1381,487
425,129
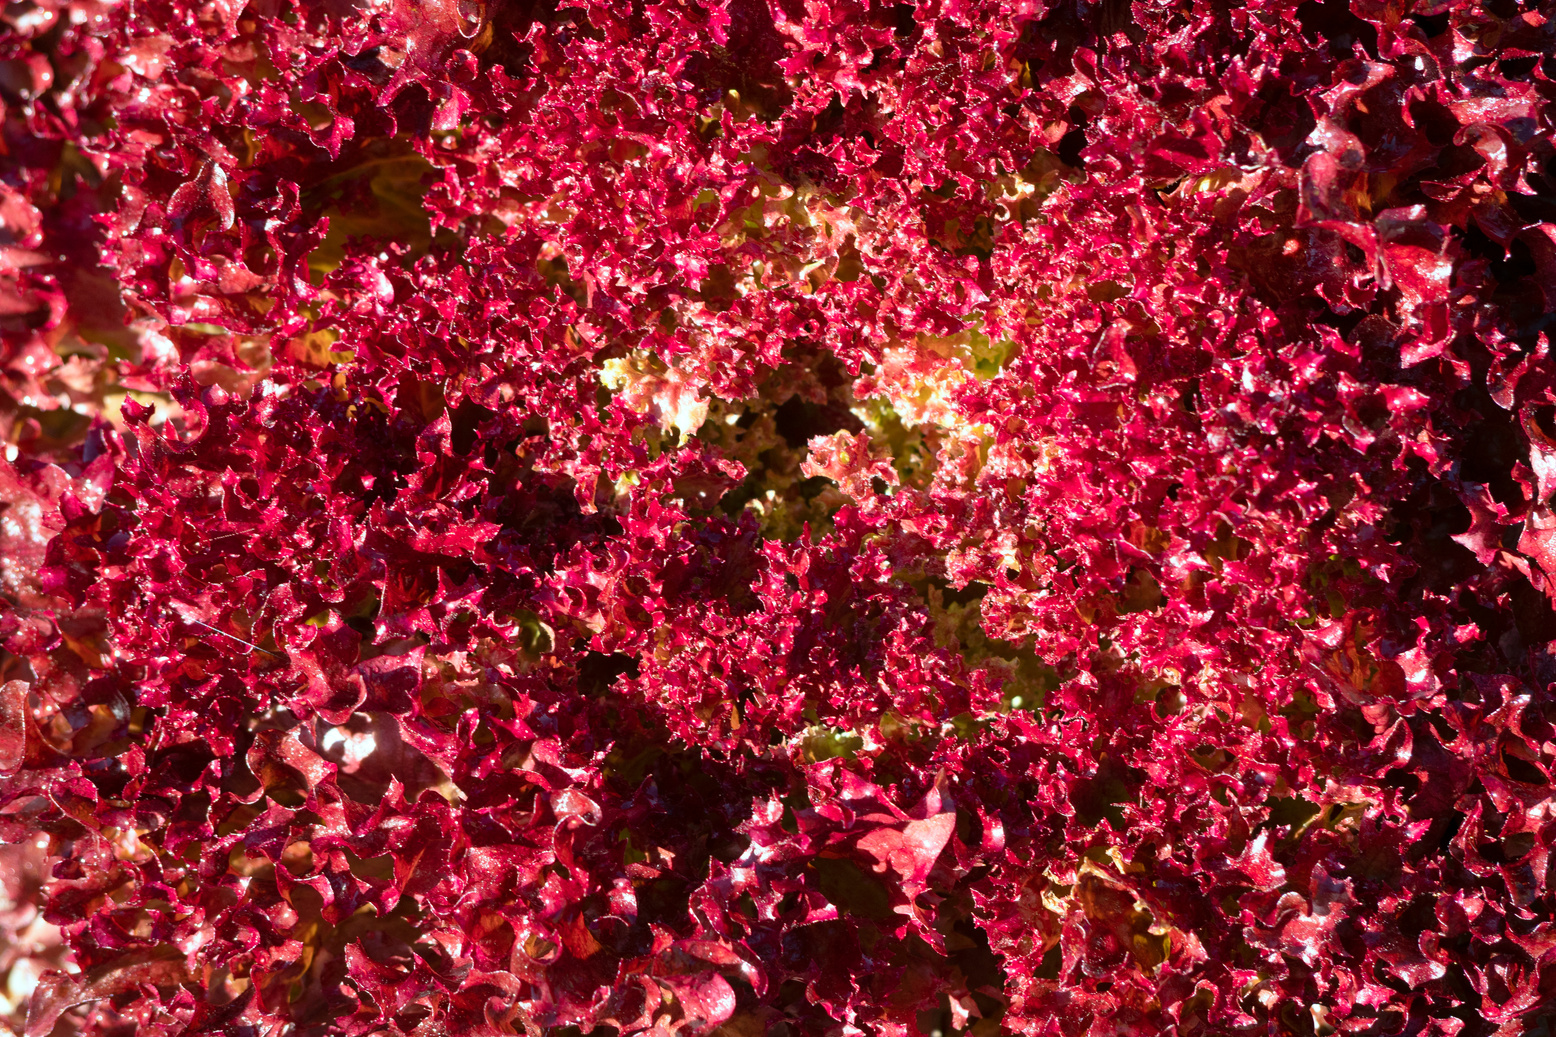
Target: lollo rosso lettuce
774,518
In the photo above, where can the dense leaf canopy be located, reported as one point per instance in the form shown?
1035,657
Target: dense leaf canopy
792,516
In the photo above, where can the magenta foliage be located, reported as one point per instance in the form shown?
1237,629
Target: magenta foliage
784,517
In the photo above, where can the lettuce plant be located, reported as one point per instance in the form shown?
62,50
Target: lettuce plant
777,517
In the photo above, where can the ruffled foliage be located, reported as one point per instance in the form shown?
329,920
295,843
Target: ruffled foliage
823,517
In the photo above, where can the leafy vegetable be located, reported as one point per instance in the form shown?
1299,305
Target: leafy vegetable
777,518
